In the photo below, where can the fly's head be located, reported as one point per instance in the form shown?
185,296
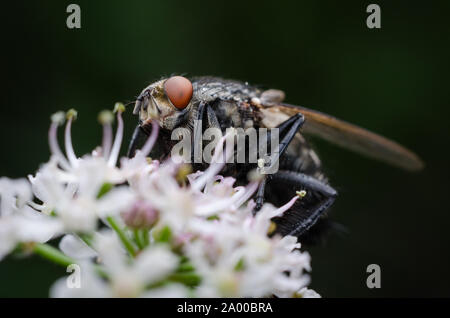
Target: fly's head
169,101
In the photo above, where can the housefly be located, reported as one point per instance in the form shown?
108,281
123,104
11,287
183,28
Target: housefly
215,102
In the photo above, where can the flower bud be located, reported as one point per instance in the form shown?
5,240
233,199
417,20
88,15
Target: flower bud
141,216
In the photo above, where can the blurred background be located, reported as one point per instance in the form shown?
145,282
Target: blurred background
392,80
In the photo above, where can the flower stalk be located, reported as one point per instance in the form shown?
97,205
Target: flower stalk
123,236
53,254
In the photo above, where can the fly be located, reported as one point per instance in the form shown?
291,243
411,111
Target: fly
220,103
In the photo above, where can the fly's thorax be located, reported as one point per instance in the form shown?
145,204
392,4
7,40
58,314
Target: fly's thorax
209,89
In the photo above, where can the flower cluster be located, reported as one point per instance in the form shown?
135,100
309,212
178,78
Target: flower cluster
144,228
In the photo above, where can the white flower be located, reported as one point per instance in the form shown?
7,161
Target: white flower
236,257
162,191
70,186
138,167
75,203
164,237
19,223
125,279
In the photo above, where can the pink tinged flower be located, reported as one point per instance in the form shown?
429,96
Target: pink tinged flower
284,208
141,215
262,220
138,167
183,238
231,251
110,148
250,189
210,205
151,140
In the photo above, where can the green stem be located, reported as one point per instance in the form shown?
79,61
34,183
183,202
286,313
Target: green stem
138,238
189,278
145,234
101,271
86,239
126,241
186,267
53,254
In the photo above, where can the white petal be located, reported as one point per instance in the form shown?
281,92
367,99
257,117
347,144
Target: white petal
36,227
74,247
91,286
155,263
110,251
13,194
115,201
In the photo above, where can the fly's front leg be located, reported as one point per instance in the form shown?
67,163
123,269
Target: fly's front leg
162,147
206,117
139,137
286,131
197,141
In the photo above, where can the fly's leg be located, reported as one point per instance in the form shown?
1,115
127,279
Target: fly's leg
287,131
259,199
137,140
161,149
305,214
212,117
196,155
204,111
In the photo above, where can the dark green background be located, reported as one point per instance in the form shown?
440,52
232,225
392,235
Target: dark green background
393,81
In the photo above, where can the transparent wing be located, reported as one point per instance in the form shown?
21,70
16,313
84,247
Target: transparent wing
346,135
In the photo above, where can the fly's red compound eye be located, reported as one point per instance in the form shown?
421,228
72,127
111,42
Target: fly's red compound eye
179,91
